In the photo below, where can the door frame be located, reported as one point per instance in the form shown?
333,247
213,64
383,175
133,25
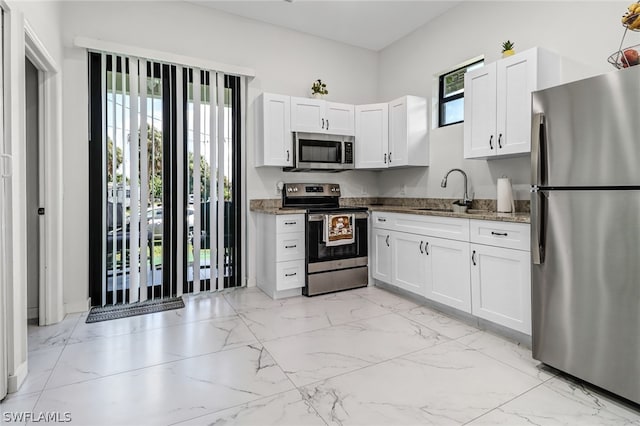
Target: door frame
50,303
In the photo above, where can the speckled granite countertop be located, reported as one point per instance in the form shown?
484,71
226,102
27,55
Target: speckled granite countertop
522,217
480,209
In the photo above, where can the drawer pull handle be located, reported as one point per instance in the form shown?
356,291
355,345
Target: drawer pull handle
426,248
293,246
382,219
499,234
421,243
290,223
473,258
291,275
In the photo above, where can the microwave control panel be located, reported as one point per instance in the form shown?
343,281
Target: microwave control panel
348,152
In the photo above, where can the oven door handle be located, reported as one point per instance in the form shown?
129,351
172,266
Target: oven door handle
320,217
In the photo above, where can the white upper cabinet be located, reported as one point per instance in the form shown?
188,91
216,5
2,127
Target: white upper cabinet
274,142
392,134
497,107
318,116
408,143
372,136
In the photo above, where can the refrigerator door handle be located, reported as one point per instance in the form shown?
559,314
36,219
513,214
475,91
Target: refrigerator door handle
538,219
538,152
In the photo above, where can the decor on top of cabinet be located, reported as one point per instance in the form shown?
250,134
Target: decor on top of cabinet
507,49
319,89
628,56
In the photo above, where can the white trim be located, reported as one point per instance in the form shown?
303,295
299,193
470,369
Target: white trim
159,56
220,185
16,379
243,181
75,307
134,149
51,291
180,181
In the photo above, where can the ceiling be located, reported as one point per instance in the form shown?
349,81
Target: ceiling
368,24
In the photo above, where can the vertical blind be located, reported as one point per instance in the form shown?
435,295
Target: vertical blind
137,217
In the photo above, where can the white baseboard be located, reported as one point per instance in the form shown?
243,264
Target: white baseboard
17,379
80,306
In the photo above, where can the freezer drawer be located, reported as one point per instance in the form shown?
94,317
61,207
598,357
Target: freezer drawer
586,289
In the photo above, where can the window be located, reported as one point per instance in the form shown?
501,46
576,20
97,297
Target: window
451,93
164,177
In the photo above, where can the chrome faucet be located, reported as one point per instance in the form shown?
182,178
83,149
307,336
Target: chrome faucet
443,184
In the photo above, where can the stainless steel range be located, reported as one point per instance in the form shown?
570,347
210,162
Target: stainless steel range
336,248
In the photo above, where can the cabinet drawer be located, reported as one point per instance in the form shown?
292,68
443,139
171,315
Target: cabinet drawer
290,246
382,220
289,223
501,234
290,275
433,226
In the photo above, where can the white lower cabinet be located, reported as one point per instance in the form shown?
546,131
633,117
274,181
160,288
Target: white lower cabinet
381,255
485,270
501,286
281,254
448,273
409,262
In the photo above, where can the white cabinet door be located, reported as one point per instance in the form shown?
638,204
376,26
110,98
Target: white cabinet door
408,132
516,79
480,138
408,262
381,255
372,136
501,286
340,119
307,115
274,142
448,273
398,146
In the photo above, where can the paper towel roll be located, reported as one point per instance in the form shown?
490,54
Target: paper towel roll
506,203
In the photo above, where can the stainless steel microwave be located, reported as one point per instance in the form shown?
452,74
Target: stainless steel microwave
320,152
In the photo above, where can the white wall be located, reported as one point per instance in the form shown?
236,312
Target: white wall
284,62
43,19
585,32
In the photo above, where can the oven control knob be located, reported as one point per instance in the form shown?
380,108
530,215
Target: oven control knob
333,190
295,189
289,189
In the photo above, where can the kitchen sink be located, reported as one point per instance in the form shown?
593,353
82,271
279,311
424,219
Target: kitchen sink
430,209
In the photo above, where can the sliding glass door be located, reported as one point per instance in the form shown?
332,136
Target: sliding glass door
163,154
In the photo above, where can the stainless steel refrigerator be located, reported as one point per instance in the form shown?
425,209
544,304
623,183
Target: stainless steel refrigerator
585,230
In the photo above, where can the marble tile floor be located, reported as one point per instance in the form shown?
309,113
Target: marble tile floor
362,357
